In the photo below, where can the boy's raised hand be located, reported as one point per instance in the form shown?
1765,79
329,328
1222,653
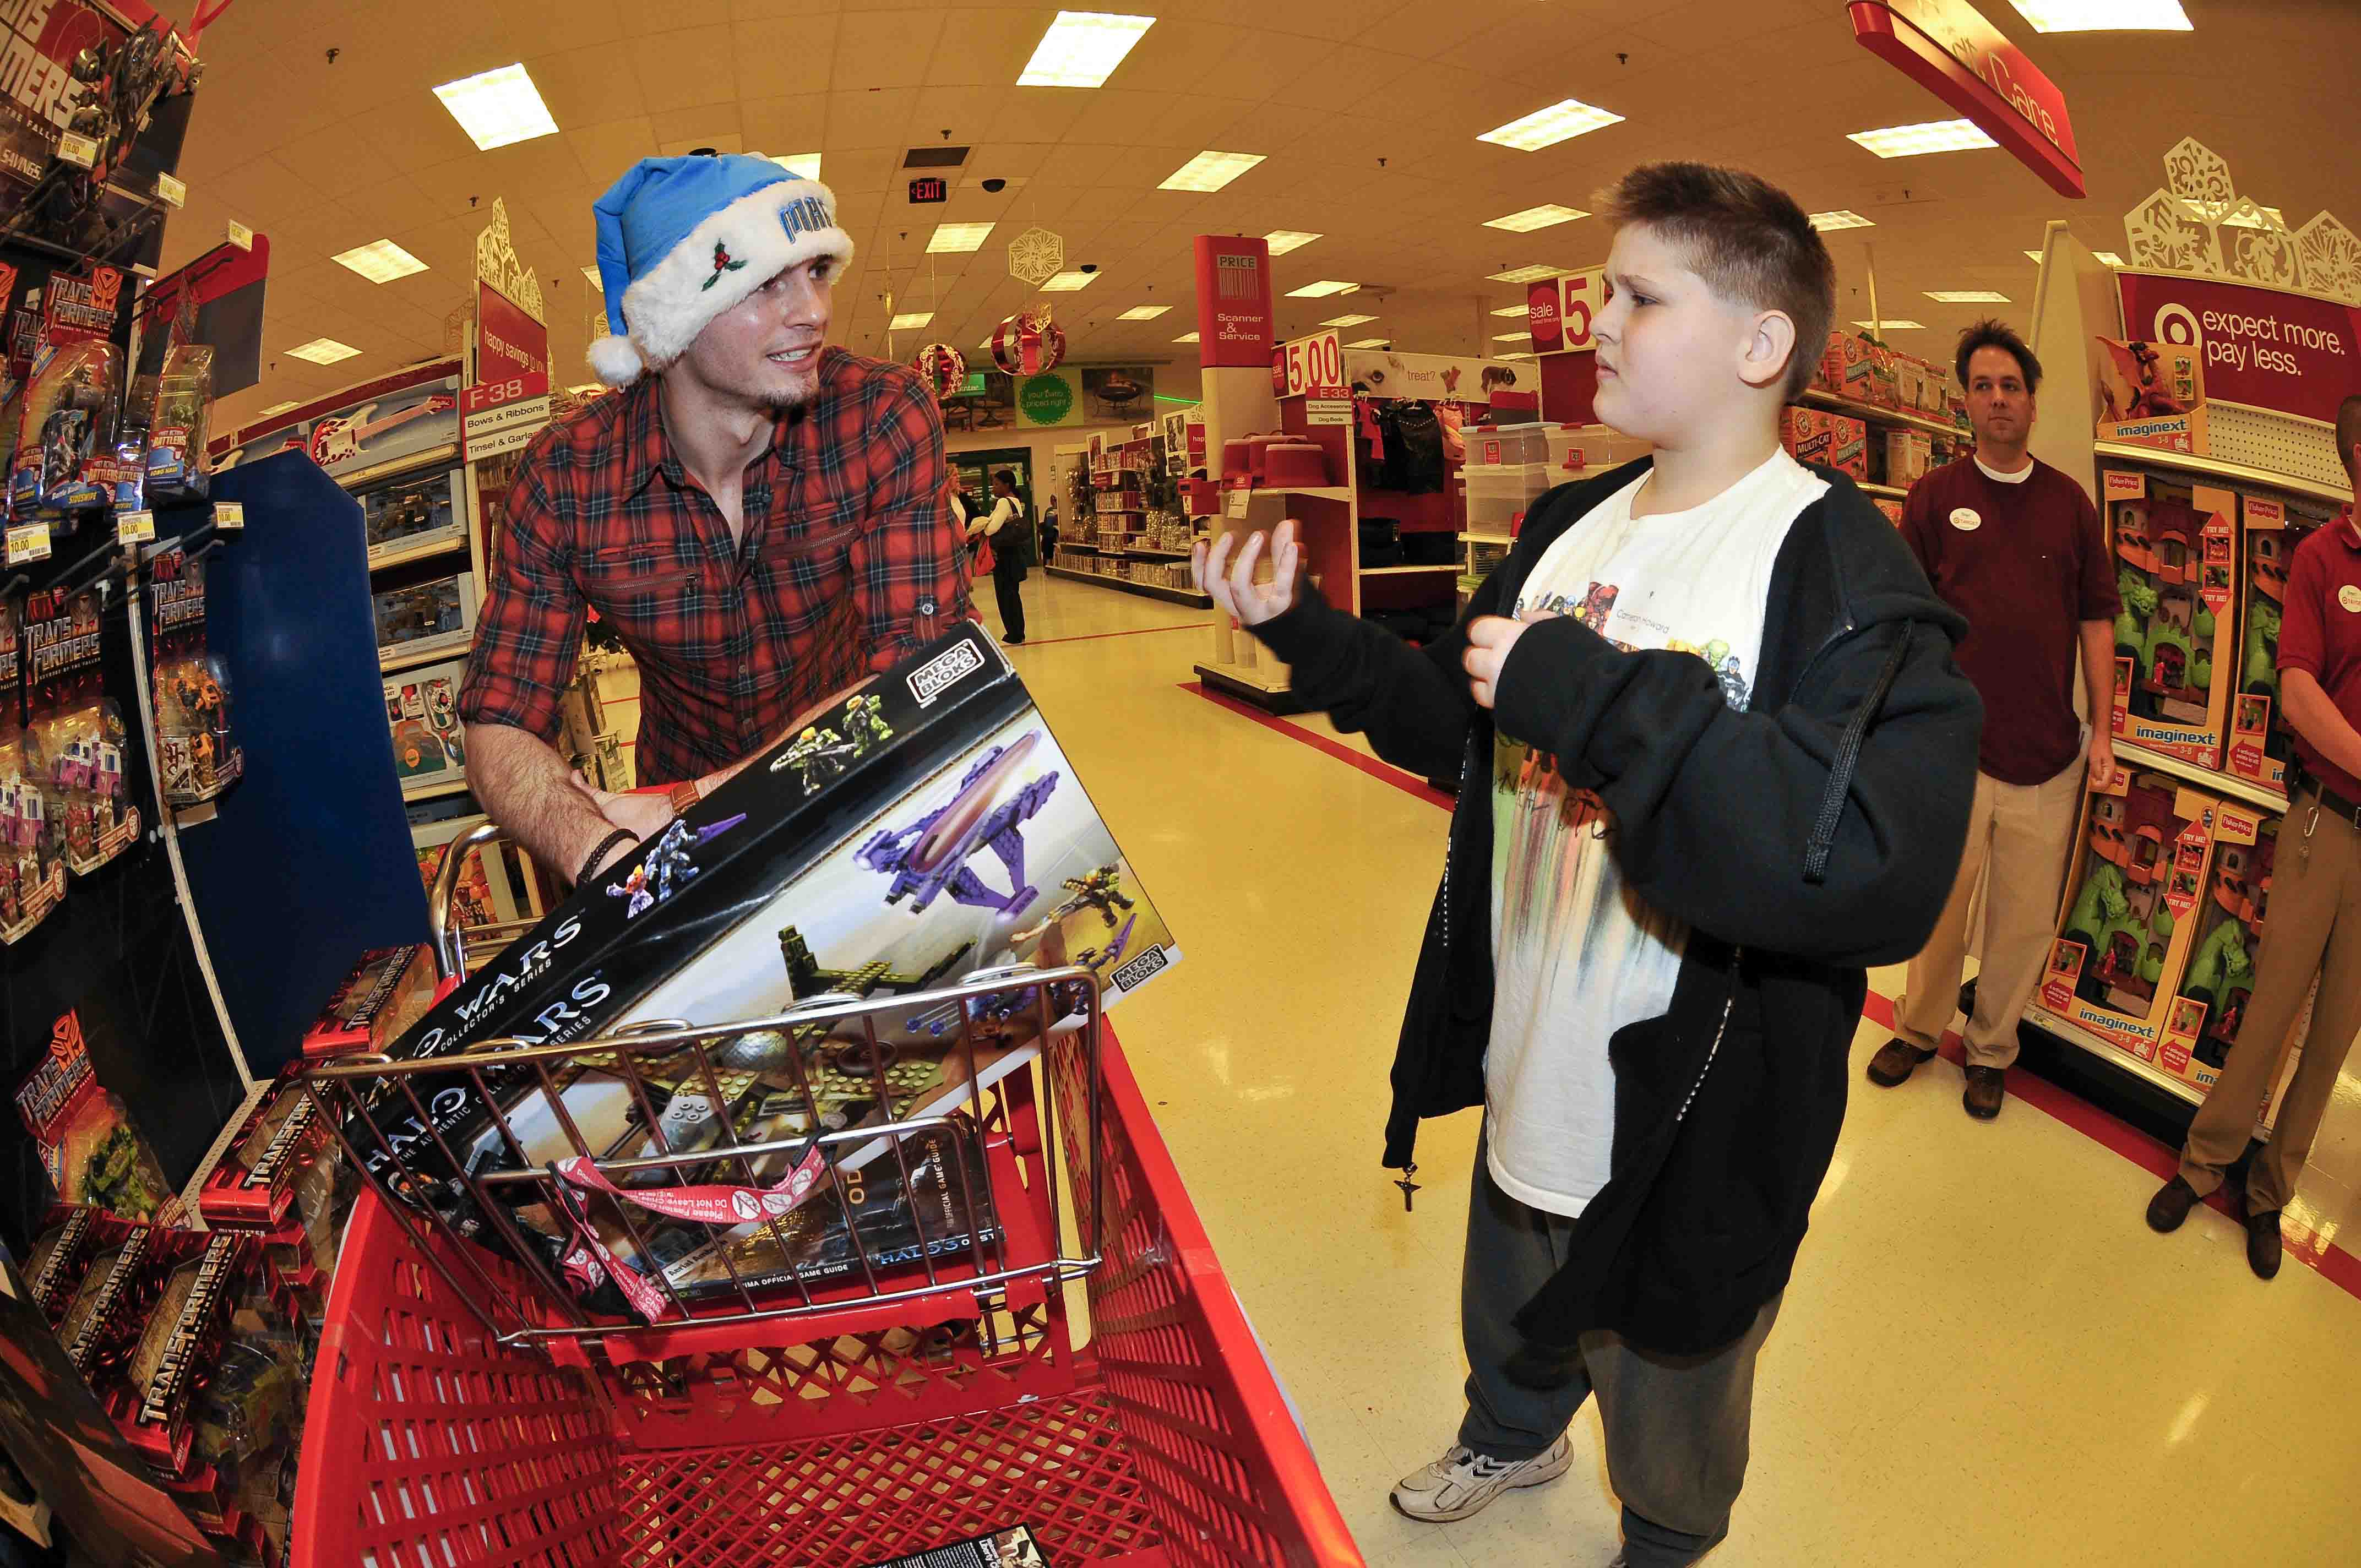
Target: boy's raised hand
1489,638
1231,583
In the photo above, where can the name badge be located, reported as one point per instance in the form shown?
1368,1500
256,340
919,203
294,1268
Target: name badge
2350,597
1965,520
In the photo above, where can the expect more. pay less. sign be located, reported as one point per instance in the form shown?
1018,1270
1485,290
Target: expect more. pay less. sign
2293,353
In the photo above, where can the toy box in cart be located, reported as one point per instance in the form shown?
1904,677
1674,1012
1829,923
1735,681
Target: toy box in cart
921,830
2125,936
2176,642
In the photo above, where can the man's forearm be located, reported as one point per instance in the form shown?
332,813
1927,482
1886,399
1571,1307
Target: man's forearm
2098,671
2316,717
526,787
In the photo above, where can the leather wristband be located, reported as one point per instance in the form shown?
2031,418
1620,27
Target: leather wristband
684,794
619,836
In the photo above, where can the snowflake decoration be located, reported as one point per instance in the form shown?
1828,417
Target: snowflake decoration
2330,256
2200,225
2198,175
1035,255
2163,233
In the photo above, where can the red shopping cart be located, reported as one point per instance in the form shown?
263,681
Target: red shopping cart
469,1408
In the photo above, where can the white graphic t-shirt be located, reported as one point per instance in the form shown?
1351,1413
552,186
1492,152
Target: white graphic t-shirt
1577,954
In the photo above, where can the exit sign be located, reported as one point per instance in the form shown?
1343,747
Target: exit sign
930,189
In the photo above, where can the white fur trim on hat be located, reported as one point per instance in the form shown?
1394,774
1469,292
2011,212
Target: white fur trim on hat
723,259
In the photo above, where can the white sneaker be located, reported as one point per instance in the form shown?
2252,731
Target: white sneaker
1463,1481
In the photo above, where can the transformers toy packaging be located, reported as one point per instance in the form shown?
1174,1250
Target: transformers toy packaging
66,432
89,1149
76,729
177,423
32,822
197,758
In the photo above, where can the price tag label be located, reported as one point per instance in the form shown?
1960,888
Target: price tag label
80,150
1238,500
29,542
229,517
135,527
240,235
1328,405
170,192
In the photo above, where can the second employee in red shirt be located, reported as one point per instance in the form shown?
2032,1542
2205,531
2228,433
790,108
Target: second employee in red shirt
760,516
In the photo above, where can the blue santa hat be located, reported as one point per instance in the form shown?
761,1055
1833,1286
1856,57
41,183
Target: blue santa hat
683,239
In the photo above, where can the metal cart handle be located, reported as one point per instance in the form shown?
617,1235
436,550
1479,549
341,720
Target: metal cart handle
442,925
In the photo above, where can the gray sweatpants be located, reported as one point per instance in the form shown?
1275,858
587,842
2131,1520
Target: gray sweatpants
1677,1426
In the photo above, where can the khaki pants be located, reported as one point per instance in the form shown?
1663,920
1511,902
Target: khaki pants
2313,927
2021,832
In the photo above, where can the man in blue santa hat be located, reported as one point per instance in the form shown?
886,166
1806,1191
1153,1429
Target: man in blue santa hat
758,515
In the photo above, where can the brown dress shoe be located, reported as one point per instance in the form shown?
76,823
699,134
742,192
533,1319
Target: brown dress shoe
2263,1245
1894,1062
2170,1205
1987,1087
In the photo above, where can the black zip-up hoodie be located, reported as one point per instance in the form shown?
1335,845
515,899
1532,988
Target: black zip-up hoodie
1815,833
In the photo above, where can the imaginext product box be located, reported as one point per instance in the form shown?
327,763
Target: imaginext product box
2125,932
2149,394
2211,996
2175,548
2262,748
1815,435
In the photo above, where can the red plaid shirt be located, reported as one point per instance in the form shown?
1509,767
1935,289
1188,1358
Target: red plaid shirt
850,561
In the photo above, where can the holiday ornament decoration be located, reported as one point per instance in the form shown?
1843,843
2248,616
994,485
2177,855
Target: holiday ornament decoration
1028,343
943,367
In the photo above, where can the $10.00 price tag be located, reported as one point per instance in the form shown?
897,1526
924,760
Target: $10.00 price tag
135,527
29,542
80,150
229,517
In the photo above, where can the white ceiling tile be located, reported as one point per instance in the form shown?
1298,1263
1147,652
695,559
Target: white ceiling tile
684,68
603,152
784,55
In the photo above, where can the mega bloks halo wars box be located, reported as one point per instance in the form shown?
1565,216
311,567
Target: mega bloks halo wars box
925,827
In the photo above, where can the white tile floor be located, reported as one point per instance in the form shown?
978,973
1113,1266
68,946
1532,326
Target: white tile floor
1985,1357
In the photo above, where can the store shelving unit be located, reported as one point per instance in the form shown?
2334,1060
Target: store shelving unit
1190,597
1111,474
2079,297
1877,414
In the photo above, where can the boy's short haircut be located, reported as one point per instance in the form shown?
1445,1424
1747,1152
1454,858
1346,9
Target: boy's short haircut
1994,333
1746,238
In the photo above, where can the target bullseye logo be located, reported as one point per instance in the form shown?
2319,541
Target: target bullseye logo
2177,324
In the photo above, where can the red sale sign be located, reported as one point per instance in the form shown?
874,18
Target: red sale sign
509,342
1542,316
2291,353
1947,48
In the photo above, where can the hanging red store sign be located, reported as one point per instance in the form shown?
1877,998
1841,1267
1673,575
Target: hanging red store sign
1947,48
1234,314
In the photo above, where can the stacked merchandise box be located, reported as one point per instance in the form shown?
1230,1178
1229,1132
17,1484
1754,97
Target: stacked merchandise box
925,827
2176,640
2262,748
2126,932
2212,993
2150,394
1815,435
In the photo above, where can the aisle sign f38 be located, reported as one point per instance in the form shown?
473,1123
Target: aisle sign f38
1947,48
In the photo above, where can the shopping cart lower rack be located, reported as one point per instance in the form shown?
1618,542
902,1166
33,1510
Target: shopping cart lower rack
476,1402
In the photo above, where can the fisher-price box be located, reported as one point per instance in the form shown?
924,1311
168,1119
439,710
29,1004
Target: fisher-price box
2126,929
2262,748
2175,550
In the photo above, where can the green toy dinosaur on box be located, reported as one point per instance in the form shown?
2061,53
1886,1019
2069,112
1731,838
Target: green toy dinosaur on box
2138,596
2261,675
2221,961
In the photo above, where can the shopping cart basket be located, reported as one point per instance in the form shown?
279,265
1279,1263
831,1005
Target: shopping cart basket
469,1408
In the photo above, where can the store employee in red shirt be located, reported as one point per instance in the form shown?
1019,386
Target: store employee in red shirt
2313,925
759,516
2016,546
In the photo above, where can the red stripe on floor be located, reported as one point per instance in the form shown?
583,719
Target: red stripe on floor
1408,783
1097,636
2331,1262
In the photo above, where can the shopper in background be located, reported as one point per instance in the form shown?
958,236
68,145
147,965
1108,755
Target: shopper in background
760,517
1009,551
1715,758
1048,531
2015,547
2312,926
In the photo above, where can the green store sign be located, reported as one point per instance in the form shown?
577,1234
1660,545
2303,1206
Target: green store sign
1046,399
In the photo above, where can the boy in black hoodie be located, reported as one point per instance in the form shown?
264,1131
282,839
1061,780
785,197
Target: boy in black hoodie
1714,758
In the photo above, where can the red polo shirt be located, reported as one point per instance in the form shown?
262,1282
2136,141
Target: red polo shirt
2320,633
2026,563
